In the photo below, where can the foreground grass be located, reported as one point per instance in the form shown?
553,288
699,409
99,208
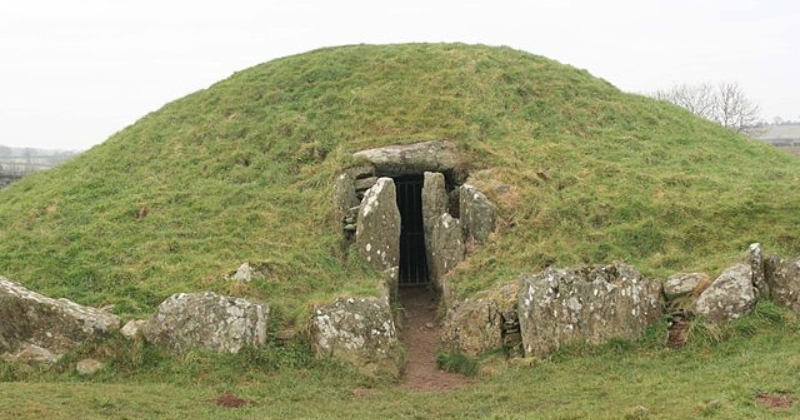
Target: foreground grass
707,379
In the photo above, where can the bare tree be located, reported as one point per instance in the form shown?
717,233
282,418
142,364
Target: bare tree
725,104
697,99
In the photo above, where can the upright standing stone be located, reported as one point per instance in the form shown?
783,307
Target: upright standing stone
446,250
477,214
434,202
444,243
783,277
755,257
344,195
378,227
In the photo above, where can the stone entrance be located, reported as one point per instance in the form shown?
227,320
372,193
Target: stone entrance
413,260
411,214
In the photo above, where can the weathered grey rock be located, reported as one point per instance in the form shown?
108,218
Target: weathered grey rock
32,354
683,284
729,297
434,201
344,195
89,367
392,161
755,258
595,304
477,214
30,322
390,283
361,171
783,280
378,226
133,328
472,327
247,273
359,332
446,250
365,183
475,326
207,321
444,245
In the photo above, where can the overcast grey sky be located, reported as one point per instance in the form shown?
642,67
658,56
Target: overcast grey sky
73,72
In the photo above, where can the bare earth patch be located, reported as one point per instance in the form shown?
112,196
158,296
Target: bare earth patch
678,333
775,400
230,400
420,337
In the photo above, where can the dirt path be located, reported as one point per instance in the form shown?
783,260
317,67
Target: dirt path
420,336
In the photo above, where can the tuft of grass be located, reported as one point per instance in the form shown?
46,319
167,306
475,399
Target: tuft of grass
766,314
458,363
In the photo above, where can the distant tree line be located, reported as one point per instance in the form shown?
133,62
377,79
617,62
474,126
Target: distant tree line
21,161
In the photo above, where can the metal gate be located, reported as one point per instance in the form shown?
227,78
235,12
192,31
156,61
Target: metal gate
413,263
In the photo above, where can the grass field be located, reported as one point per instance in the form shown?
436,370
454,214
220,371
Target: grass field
244,170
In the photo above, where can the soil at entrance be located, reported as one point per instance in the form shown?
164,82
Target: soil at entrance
420,337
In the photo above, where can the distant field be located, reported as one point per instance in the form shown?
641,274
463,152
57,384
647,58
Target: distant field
793,150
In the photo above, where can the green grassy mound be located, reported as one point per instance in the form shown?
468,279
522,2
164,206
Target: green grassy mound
243,171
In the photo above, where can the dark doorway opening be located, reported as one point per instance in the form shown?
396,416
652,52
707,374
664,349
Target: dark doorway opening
413,263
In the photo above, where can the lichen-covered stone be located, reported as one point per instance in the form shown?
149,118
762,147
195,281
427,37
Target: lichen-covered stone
33,326
207,321
477,214
247,273
133,328
389,285
683,284
89,366
359,332
783,279
729,297
472,327
755,258
378,226
412,159
344,195
475,326
592,304
434,200
446,252
443,234
32,354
